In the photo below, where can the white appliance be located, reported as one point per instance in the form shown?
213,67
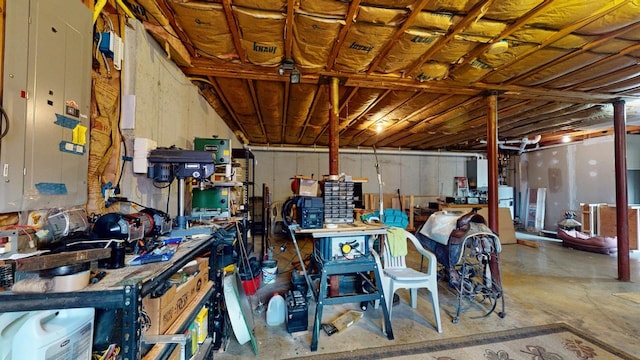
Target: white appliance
505,198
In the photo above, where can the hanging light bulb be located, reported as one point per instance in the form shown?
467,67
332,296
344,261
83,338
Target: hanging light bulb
566,138
379,127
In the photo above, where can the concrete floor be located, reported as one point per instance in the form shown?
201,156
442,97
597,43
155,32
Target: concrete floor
542,285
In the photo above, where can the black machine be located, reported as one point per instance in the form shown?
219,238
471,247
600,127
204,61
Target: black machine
306,211
297,312
167,163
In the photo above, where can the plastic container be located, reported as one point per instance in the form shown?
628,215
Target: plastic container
276,310
269,271
10,323
251,286
56,334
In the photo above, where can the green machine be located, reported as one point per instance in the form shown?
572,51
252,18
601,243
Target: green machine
222,148
212,202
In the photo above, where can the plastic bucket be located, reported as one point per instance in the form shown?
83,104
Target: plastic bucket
251,286
269,271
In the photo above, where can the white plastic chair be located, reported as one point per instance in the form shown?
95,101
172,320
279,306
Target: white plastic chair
396,275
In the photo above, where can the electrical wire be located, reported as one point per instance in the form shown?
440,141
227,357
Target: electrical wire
4,118
122,137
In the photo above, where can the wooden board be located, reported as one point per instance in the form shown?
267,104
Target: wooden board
608,223
342,227
61,259
532,244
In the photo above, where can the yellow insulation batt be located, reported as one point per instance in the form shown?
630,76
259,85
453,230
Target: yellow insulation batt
361,45
551,72
456,6
540,57
563,13
381,16
277,5
147,10
471,72
318,120
271,108
407,49
433,21
325,7
510,9
238,96
539,36
300,102
202,23
357,105
625,15
170,42
485,28
614,47
209,93
432,70
454,50
313,40
261,34
391,3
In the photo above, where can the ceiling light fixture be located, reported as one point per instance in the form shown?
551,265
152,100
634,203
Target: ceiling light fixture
566,138
379,126
294,77
289,65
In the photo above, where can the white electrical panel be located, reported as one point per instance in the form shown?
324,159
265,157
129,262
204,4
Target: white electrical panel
46,95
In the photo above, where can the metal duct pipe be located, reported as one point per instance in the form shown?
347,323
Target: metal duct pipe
365,151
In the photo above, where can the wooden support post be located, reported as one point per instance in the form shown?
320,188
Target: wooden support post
492,155
334,108
622,206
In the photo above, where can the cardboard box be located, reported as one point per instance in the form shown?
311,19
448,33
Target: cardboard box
164,310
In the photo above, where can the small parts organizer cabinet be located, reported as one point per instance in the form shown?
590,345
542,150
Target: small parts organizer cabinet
328,245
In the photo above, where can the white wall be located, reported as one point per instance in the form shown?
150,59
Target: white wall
577,173
168,109
413,174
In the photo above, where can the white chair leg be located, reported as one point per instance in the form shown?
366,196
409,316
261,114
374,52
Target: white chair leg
435,304
389,298
414,297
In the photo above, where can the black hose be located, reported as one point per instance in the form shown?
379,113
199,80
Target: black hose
3,117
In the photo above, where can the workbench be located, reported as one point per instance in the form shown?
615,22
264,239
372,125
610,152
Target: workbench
124,289
331,266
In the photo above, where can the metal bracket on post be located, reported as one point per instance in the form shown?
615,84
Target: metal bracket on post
131,312
179,339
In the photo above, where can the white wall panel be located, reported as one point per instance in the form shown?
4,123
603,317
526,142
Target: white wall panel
573,174
285,167
410,176
429,175
168,109
308,164
351,164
